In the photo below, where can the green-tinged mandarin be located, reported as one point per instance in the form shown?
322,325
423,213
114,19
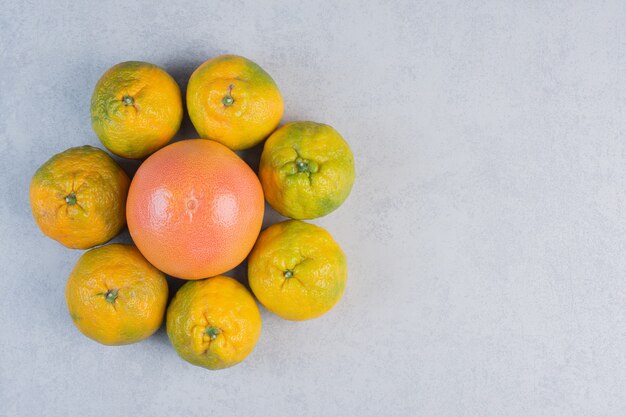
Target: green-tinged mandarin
232,100
297,270
78,197
307,170
136,108
214,323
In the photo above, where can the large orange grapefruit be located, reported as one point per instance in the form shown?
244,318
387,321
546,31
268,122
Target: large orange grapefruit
195,209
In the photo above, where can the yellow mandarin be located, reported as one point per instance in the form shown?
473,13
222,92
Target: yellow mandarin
214,323
297,270
115,296
232,100
136,108
78,197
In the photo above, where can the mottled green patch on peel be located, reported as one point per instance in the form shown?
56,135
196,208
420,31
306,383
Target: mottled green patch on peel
249,70
105,97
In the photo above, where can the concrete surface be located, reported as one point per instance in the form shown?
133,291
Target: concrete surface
486,233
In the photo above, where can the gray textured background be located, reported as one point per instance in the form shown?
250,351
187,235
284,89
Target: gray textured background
486,233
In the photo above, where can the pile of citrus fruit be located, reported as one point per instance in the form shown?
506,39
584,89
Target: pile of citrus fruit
194,210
